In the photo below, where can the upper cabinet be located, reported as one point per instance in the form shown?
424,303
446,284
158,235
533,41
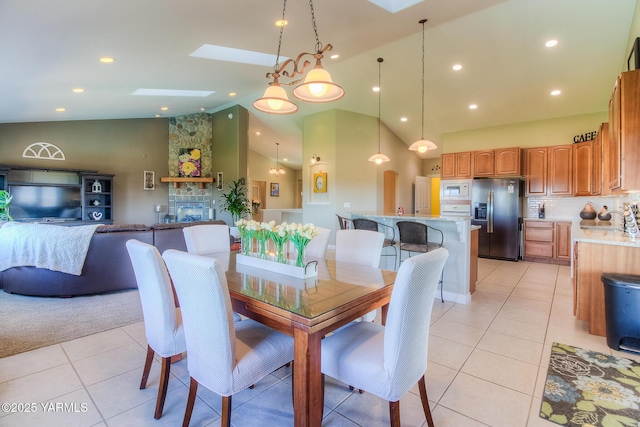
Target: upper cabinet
481,163
507,161
624,133
484,163
548,170
456,165
536,171
583,170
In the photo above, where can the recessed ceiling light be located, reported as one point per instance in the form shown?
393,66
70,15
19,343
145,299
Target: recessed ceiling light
232,94
473,106
551,43
158,115
457,67
106,60
403,119
281,23
285,159
78,90
202,109
60,110
258,133
164,108
334,56
556,92
376,89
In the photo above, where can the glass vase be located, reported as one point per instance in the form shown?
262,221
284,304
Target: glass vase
280,253
263,248
300,257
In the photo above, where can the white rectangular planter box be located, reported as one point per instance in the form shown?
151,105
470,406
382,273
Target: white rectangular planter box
252,260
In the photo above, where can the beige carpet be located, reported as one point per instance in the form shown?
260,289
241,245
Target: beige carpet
27,323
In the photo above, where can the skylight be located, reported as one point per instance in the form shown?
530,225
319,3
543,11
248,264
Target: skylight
394,6
221,53
173,92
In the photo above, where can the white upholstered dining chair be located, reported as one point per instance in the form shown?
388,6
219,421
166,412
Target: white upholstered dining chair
222,356
362,247
207,238
162,320
317,247
388,361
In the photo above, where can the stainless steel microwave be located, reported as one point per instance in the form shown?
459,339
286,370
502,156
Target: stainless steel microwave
456,189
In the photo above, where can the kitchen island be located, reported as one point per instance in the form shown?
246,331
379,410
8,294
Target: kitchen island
457,240
597,251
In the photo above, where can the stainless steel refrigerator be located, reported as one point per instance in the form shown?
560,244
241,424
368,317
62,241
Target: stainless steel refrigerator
497,209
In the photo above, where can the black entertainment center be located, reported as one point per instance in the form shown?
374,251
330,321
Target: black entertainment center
60,196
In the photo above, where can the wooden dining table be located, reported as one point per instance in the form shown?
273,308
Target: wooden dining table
308,309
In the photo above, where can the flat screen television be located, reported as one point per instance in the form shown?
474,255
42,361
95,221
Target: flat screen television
38,202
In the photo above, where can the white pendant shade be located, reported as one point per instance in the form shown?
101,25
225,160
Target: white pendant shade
378,158
318,87
422,146
275,101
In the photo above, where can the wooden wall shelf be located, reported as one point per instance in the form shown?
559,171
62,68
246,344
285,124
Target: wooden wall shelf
177,180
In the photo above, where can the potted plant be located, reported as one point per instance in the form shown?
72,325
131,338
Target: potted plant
235,201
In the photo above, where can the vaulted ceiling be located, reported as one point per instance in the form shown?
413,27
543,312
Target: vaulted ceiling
50,48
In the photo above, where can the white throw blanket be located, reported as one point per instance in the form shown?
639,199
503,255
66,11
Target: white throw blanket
54,247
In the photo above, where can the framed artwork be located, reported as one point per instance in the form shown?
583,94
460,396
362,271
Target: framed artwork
275,189
149,180
189,162
320,182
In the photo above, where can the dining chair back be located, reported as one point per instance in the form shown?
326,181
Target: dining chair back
359,247
388,361
207,238
389,235
344,223
162,320
317,247
223,356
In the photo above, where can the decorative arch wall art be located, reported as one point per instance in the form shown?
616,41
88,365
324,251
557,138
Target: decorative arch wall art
43,150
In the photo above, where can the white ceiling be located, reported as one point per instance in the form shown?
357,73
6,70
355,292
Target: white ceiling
48,48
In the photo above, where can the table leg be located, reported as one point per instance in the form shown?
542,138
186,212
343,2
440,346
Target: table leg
307,380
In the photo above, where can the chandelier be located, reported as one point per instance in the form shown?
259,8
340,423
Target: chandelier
316,87
379,157
277,170
422,145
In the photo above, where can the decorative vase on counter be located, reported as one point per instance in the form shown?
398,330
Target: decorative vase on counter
604,214
588,212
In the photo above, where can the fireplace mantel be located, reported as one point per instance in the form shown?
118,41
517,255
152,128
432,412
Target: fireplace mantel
177,180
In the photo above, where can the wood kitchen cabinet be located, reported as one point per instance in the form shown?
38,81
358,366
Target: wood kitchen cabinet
507,161
498,162
596,180
547,241
590,261
456,165
583,168
624,133
484,163
536,171
549,171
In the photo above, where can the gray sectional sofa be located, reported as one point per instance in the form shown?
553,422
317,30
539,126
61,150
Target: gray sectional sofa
107,266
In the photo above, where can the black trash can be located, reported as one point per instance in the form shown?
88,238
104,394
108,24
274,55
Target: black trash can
622,311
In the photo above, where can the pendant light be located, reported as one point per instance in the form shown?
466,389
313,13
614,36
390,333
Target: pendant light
379,157
277,170
316,87
275,99
422,145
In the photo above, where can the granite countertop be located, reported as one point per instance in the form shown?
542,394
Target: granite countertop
602,236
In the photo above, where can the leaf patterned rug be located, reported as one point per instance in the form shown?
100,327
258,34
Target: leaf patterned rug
590,389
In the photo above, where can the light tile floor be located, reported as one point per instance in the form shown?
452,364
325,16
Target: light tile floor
487,365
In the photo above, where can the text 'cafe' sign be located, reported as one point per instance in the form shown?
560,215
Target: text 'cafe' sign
589,136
